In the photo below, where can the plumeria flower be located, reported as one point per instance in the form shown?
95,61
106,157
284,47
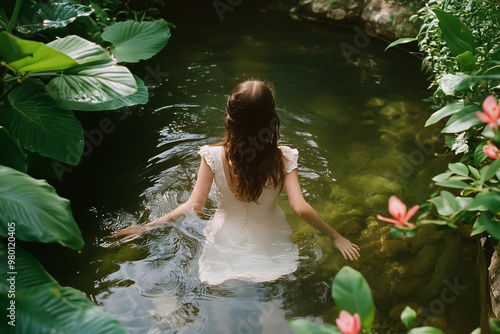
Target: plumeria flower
491,150
348,324
491,113
398,210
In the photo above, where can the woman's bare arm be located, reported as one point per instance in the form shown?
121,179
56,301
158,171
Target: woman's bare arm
197,199
196,202
307,213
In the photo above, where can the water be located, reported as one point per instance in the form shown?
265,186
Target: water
142,162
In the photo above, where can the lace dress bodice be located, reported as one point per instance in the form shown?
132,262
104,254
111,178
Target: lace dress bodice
246,240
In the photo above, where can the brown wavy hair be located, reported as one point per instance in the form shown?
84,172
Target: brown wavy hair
251,142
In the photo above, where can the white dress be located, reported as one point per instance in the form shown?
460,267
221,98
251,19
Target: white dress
246,240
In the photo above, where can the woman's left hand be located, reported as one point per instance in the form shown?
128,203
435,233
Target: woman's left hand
347,248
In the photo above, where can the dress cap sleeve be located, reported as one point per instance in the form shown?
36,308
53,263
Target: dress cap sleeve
291,156
206,153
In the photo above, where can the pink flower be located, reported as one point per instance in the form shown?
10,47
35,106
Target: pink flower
398,210
491,112
491,151
348,324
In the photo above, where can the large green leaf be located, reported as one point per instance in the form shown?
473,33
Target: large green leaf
43,306
449,82
425,330
25,56
488,171
442,177
457,184
90,86
134,41
463,120
494,325
140,97
352,293
456,35
478,227
467,61
459,168
447,110
41,126
303,326
479,155
81,50
403,40
408,316
492,225
467,84
486,201
11,153
448,205
36,209
37,17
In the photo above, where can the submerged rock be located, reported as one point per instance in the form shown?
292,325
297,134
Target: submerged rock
408,287
339,193
376,201
375,103
350,226
427,235
334,10
373,185
390,111
384,18
445,269
336,14
424,261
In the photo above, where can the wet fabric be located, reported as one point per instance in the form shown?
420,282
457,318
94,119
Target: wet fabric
246,240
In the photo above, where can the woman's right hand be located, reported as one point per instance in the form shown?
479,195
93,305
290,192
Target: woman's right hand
129,233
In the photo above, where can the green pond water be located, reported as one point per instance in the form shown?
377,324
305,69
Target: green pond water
352,158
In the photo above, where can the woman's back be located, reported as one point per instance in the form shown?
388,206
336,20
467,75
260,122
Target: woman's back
245,239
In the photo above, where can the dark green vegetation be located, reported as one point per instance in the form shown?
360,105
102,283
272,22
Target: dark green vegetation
56,58
461,49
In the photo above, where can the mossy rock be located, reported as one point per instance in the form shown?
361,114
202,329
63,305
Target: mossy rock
375,103
424,261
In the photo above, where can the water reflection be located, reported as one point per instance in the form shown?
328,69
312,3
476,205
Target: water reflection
163,293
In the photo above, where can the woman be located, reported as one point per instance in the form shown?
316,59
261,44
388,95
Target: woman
248,237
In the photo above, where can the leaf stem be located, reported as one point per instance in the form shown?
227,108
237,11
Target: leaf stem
39,74
13,19
11,79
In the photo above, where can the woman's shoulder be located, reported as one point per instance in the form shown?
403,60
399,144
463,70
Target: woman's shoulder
208,153
288,151
209,148
291,156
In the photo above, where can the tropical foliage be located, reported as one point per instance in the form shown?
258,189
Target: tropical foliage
462,53
43,80
354,301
